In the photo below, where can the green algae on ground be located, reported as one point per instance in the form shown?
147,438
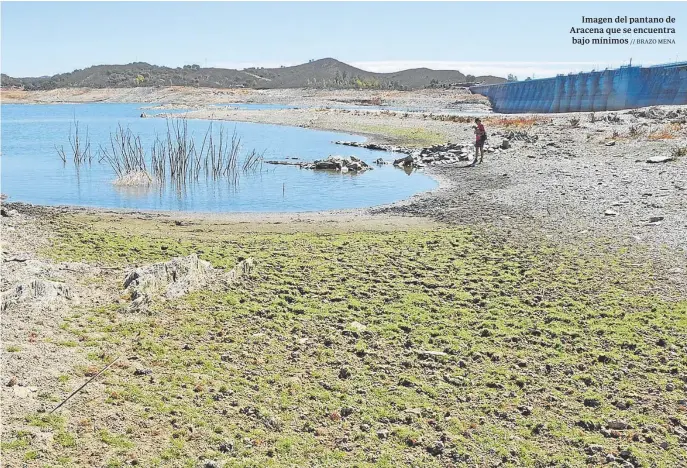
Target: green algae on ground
468,350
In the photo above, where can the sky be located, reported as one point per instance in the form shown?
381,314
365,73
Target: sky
527,39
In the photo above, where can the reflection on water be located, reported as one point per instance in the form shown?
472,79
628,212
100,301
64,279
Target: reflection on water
137,191
32,171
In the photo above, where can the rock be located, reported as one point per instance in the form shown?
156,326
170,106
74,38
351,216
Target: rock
525,410
12,382
143,372
338,163
383,434
505,144
593,448
227,446
175,278
327,165
610,143
365,427
670,387
656,219
357,327
587,425
344,373
592,402
406,161
34,291
659,159
437,448
610,213
618,425
429,354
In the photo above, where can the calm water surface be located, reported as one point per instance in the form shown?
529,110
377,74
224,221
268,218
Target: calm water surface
32,171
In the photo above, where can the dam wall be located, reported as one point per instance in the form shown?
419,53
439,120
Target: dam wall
623,88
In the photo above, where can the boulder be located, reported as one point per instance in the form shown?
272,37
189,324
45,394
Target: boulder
175,278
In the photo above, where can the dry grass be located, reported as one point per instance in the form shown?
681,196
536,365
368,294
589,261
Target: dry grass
668,132
518,122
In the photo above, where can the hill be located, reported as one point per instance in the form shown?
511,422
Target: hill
324,73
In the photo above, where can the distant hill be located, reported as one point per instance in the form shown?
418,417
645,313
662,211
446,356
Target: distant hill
324,73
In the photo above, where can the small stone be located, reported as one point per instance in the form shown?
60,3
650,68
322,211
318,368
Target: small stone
346,411
226,357
619,425
428,354
610,143
604,359
143,372
382,433
610,213
593,448
664,445
365,427
226,447
12,382
525,410
357,326
344,373
670,387
659,159
656,219
437,448
592,402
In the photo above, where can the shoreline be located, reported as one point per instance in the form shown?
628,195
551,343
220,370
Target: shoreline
546,180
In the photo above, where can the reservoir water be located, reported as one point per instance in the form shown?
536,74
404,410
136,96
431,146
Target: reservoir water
33,172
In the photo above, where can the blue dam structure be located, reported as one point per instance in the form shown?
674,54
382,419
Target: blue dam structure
626,87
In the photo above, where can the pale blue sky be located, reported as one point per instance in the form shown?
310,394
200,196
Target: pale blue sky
490,37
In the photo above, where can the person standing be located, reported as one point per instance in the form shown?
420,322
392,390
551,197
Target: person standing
480,139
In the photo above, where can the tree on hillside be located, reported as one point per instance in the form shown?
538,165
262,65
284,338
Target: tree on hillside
512,77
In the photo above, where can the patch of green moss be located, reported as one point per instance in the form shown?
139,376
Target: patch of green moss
485,345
